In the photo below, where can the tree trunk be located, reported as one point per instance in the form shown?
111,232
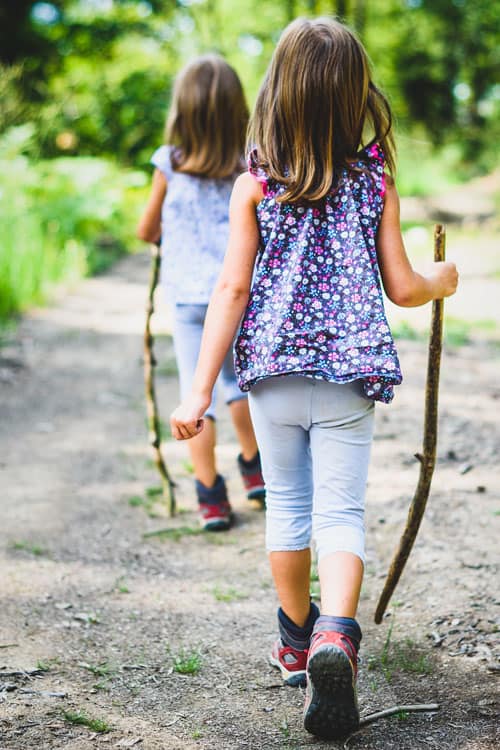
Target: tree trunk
360,17
340,8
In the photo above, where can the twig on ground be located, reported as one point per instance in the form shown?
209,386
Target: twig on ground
43,693
414,708
23,673
371,718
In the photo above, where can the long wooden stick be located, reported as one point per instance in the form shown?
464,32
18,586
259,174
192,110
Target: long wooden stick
428,457
154,424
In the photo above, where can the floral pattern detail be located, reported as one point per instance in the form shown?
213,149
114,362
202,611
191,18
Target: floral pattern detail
316,305
195,231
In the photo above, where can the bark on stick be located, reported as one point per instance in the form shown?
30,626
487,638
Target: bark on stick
428,456
154,424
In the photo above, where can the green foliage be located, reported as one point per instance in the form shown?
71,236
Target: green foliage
100,75
60,219
400,656
228,594
187,661
94,80
78,717
33,549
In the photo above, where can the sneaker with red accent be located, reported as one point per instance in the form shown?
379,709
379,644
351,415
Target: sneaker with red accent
253,481
215,511
291,662
331,707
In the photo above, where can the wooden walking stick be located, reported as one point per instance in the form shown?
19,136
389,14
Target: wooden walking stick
154,424
428,457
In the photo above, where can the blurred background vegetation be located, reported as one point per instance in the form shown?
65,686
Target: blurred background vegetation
85,86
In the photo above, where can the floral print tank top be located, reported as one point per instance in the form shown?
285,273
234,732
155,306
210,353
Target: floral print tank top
316,307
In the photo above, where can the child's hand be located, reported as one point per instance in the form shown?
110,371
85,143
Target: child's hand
187,420
444,278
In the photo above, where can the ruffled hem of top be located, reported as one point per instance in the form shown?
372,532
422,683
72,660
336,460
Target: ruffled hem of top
376,386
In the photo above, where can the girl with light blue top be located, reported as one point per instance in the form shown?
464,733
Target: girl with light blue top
189,209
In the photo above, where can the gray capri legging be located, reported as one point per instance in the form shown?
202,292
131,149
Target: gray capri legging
188,329
314,439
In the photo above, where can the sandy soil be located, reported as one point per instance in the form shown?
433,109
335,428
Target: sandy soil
95,614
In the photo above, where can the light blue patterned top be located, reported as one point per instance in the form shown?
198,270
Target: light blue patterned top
195,231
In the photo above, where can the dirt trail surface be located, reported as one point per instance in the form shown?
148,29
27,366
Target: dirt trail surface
96,617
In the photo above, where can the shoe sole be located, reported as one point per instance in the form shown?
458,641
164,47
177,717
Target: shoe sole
293,679
332,712
218,524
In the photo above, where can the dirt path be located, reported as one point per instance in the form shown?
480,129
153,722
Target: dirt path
103,613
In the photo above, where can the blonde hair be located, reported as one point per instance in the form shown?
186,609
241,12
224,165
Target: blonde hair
208,119
315,107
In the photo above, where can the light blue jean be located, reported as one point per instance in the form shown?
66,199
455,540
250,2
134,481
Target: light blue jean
314,439
188,329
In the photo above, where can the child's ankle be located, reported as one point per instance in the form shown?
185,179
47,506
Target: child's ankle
294,635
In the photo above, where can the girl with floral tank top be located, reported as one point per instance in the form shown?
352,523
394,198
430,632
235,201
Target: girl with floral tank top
314,236
188,209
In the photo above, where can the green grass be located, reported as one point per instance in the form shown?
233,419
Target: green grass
102,669
188,467
423,170
314,588
228,594
400,656
33,549
405,331
61,219
187,662
167,369
79,718
456,331
175,534
44,666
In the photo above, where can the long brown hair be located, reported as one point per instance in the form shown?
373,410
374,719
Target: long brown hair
208,119
316,108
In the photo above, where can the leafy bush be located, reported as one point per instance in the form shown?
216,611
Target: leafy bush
61,219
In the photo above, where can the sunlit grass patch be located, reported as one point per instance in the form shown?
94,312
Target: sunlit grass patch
78,717
187,661
400,656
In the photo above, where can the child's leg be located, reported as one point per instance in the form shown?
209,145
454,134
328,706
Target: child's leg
279,409
240,415
188,329
279,412
249,459
340,575
214,509
341,432
202,451
341,437
291,575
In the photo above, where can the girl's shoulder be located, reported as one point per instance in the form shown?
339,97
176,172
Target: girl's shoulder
162,160
371,161
257,170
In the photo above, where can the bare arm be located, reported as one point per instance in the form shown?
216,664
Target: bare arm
149,227
227,305
403,285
